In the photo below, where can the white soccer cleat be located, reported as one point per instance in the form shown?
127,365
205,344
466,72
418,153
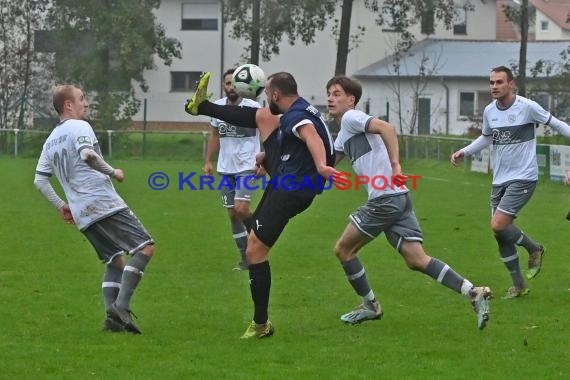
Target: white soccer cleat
363,312
480,302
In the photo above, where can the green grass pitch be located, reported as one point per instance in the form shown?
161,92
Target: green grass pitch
193,308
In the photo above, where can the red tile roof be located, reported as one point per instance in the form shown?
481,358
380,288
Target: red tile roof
557,10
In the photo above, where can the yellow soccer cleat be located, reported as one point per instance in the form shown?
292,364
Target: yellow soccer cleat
256,331
200,95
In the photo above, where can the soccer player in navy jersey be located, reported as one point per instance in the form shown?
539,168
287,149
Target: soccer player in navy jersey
509,124
298,146
372,146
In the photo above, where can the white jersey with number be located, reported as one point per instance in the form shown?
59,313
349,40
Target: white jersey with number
367,154
90,194
238,145
514,139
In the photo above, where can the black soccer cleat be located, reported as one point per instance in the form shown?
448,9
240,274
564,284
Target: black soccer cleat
123,317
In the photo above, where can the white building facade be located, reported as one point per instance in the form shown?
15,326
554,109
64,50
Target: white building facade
206,46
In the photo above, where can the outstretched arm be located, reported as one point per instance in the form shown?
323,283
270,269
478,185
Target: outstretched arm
388,134
476,146
560,126
316,147
97,162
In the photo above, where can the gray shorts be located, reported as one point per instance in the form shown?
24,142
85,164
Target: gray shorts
116,234
393,215
510,197
243,186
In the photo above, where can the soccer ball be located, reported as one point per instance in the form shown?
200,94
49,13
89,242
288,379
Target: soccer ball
248,81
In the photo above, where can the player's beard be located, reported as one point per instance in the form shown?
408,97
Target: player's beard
232,96
274,108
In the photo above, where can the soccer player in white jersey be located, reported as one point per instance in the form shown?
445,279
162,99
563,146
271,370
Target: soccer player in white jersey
72,153
509,123
372,146
237,148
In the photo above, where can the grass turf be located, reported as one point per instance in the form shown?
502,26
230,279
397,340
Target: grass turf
193,308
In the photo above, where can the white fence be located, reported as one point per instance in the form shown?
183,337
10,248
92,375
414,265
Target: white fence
28,143
553,160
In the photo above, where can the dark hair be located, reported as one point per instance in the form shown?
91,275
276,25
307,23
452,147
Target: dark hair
349,85
284,83
505,70
61,94
228,71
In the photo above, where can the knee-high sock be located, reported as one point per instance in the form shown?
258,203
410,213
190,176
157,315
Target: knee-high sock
238,116
506,241
445,275
356,276
132,275
522,239
239,234
111,284
260,285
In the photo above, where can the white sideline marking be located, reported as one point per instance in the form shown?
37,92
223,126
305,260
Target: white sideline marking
459,183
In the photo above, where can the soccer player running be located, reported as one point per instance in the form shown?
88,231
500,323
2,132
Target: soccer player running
372,146
237,148
72,153
509,124
298,146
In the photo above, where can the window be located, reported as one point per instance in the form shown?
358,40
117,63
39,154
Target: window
473,103
544,26
460,21
466,103
200,16
184,81
427,23
483,99
44,41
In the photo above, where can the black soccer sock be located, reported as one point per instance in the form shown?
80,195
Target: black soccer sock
260,285
235,115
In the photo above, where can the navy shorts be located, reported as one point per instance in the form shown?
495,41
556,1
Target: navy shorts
275,210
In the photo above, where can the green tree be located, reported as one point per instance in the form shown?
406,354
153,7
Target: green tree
263,23
21,74
553,78
343,38
106,46
397,15
402,15
520,17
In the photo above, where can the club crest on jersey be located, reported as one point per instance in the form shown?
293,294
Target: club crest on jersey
84,140
285,157
512,118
